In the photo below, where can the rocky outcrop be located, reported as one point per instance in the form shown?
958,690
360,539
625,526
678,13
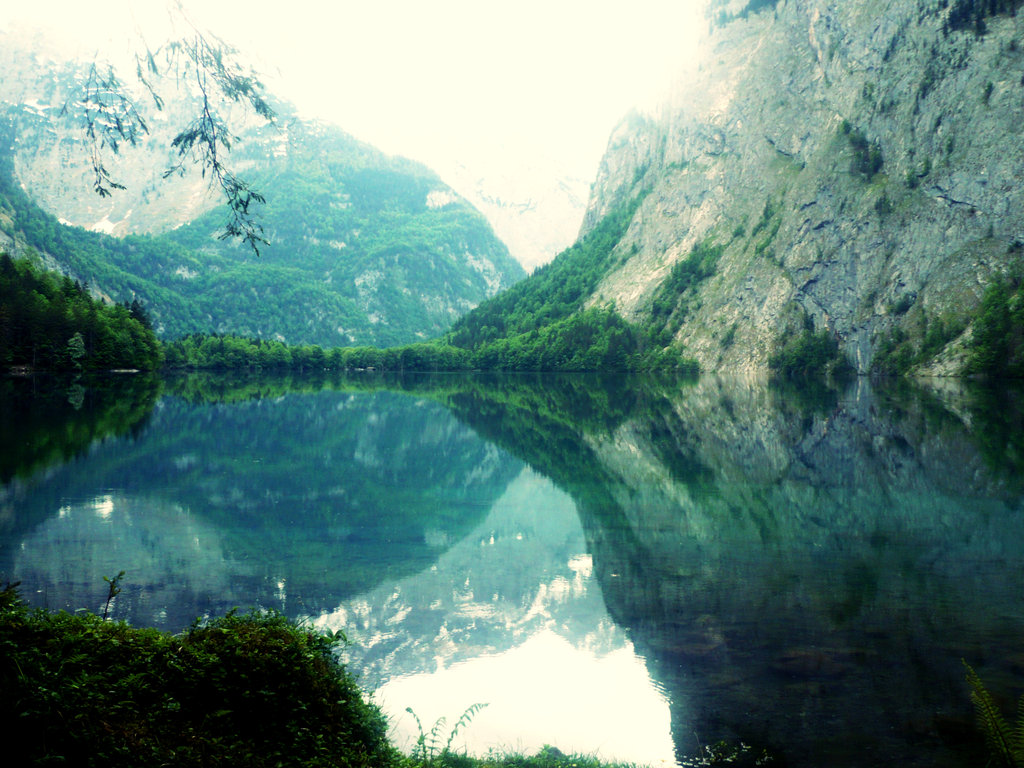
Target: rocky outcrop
858,161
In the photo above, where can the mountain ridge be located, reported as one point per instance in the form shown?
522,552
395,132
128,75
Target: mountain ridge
856,164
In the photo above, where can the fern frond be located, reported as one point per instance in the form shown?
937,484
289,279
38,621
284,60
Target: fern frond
992,723
1018,734
421,740
434,738
463,721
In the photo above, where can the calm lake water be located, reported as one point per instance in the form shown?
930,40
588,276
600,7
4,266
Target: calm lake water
621,566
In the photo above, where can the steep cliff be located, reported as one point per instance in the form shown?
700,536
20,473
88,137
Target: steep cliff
853,166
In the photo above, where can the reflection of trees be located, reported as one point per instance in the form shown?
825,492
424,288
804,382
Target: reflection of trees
800,571
325,492
803,571
50,420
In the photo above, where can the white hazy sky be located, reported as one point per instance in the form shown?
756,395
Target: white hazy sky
460,79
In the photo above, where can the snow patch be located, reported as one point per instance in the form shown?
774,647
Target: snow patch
439,198
104,225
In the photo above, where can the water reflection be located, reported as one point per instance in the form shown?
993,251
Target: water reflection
510,616
803,579
294,502
546,691
180,556
692,561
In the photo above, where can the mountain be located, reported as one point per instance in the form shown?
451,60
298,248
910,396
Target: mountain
857,165
535,209
835,181
365,248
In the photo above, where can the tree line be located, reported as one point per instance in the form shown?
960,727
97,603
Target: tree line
48,321
971,14
594,340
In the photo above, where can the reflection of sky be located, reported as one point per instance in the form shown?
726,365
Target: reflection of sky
510,616
545,691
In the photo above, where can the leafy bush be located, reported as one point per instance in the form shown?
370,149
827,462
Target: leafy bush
997,343
252,690
808,353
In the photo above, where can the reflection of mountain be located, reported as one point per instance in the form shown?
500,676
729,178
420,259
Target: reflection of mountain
807,581
798,570
294,503
522,569
510,616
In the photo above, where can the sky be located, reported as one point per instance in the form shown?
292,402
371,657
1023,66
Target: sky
470,80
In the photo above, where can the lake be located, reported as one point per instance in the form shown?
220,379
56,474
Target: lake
632,567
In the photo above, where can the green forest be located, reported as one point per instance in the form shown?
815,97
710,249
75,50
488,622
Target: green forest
357,243
539,324
50,322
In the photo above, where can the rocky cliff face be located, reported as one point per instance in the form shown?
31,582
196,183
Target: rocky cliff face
858,163
52,157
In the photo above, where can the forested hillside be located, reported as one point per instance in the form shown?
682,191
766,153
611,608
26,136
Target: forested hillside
364,248
374,249
48,321
542,323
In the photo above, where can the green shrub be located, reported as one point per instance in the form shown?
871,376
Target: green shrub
867,155
997,343
807,353
676,296
253,690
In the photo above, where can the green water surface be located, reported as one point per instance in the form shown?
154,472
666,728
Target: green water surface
629,566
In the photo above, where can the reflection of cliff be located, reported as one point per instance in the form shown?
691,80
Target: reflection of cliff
300,501
804,579
178,567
